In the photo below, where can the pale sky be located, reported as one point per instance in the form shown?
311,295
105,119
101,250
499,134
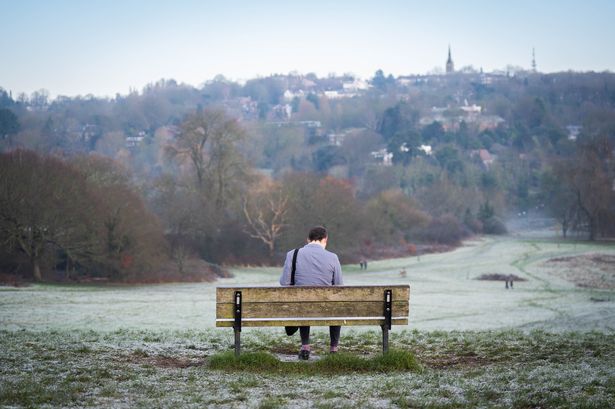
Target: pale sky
72,47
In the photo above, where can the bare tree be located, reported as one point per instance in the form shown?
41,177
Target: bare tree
587,180
187,215
265,209
208,141
131,238
45,207
327,201
592,179
560,197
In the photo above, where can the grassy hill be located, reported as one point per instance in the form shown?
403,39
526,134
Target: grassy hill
545,343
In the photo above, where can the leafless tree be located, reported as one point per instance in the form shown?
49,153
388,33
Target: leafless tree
587,179
131,239
45,206
265,209
208,141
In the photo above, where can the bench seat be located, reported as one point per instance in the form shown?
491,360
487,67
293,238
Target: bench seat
382,305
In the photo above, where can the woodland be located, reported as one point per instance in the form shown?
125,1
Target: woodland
174,182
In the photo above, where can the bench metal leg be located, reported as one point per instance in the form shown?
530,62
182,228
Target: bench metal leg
237,342
237,326
388,319
385,339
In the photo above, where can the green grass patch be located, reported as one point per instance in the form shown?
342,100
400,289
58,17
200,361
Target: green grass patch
272,403
30,392
340,363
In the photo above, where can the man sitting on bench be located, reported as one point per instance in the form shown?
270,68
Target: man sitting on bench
312,265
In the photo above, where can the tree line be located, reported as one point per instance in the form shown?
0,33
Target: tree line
160,185
57,216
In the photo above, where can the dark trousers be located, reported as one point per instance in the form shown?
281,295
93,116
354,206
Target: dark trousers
334,333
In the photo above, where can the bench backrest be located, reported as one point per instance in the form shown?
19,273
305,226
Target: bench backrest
313,306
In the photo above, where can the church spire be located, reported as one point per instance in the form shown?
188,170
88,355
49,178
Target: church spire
450,66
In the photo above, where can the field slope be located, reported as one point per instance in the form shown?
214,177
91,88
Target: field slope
445,294
546,343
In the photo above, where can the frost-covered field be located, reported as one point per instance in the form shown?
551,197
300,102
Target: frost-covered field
444,294
149,369
547,343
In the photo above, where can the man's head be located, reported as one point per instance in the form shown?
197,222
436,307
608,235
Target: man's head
318,234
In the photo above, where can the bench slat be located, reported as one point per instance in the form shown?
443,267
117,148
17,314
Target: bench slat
307,294
312,322
311,309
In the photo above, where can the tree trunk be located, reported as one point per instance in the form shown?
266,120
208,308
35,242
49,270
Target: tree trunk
592,229
36,270
590,218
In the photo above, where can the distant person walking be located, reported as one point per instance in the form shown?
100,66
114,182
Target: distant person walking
317,267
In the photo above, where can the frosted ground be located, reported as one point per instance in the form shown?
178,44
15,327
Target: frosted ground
548,343
445,294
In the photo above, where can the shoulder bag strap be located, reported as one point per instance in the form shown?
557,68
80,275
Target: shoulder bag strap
294,267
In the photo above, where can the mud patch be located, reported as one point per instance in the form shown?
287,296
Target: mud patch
171,362
284,349
587,271
455,361
500,277
162,361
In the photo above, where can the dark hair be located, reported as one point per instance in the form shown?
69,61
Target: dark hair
317,233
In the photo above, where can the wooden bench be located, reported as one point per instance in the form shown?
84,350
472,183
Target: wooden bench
383,305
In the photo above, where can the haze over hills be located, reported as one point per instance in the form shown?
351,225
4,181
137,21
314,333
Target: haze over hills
231,172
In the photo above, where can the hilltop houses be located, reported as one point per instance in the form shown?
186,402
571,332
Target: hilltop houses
451,117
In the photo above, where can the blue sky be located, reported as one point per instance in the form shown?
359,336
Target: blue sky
74,47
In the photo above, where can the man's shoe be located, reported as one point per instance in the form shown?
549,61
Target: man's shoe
304,355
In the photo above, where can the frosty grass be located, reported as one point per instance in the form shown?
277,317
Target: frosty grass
547,343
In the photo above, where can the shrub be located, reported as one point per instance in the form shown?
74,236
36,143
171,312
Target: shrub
494,225
392,216
445,229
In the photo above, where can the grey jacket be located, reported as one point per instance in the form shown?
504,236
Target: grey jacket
315,266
